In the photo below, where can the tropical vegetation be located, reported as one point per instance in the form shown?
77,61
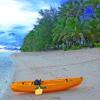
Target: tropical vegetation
73,25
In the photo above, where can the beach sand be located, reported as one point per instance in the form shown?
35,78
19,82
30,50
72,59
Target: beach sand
55,64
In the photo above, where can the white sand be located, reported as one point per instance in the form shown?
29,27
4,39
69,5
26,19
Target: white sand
54,64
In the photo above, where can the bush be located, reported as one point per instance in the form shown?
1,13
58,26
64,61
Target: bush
75,47
97,45
63,46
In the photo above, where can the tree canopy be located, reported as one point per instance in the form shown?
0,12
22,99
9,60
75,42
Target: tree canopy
76,23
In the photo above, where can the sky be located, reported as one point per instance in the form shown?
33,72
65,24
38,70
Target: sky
17,18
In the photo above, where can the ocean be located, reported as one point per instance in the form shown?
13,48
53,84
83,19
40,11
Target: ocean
7,70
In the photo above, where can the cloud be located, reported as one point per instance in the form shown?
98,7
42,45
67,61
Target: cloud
17,18
11,39
20,30
15,21
40,4
12,14
2,32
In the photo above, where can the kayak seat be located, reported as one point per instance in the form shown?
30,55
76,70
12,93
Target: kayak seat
37,82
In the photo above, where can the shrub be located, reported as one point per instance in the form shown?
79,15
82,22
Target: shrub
97,45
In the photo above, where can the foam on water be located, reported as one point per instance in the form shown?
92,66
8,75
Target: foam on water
7,70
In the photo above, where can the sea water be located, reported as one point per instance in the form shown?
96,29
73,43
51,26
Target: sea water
7,69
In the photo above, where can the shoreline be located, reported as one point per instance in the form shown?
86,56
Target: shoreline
6,75
55,64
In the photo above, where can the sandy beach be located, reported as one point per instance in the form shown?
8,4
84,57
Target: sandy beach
55,64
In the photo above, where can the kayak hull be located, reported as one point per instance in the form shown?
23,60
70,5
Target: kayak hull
47,85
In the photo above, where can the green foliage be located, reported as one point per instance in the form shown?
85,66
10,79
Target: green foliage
67,28
97,45
28,42
75,47
40,38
